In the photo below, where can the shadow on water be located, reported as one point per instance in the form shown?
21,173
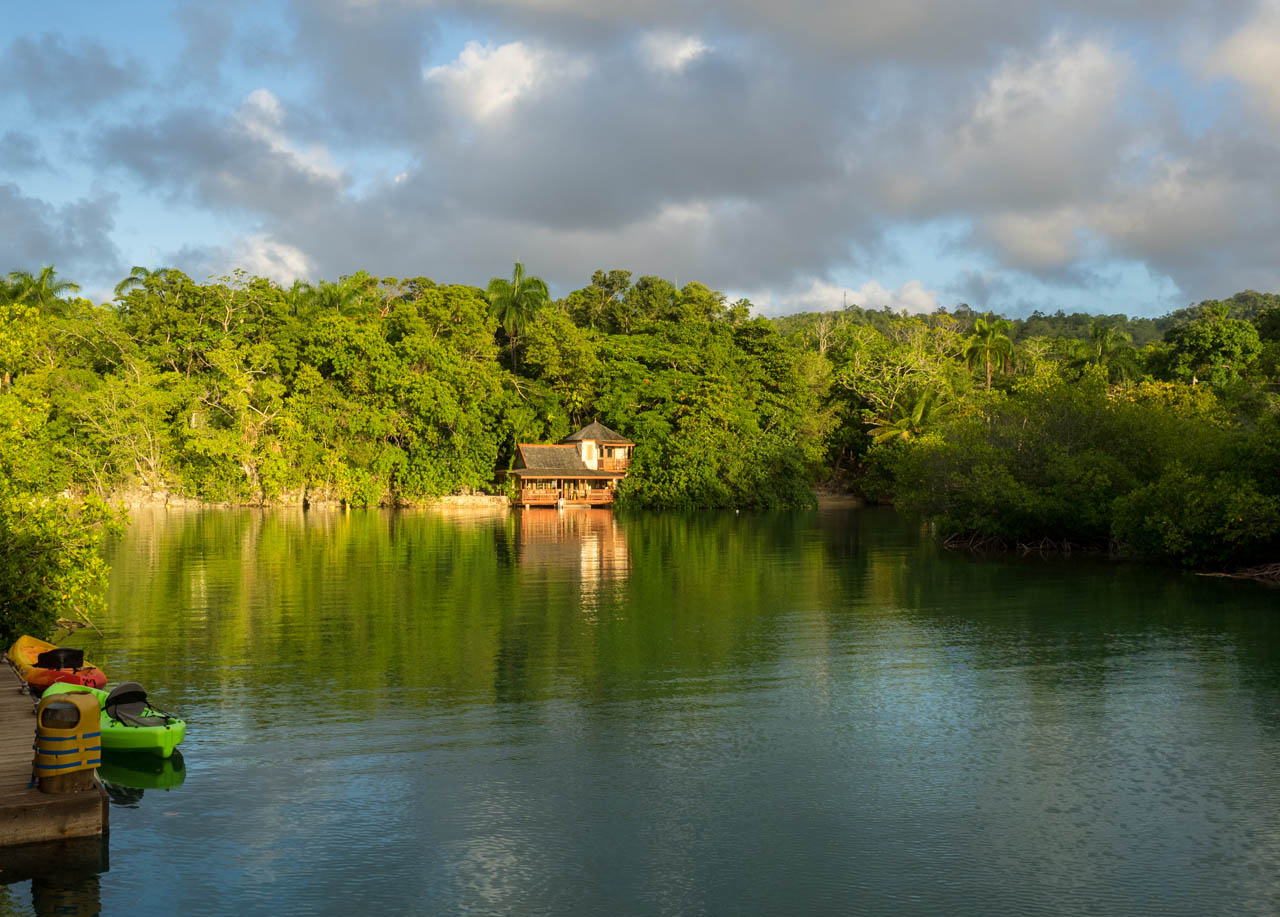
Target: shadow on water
63,877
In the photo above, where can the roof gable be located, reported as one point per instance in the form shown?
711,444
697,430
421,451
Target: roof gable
550,458
599,433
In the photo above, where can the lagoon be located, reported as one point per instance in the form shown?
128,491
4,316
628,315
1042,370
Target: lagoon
547,712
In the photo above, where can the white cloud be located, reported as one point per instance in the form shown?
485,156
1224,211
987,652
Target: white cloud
262,117
486,81
1044,241
265,257
1182,206
1043,126
1251,56
911,297
823,296
669,52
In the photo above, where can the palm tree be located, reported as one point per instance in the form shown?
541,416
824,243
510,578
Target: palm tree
141,278
515,302
1109,348
300,299
340,297
137,278
44,290
910,420
989,343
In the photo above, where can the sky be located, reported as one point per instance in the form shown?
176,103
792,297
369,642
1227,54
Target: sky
1116,156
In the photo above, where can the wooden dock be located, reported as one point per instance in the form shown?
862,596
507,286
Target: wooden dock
28,816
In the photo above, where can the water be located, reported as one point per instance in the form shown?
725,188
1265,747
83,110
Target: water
810,713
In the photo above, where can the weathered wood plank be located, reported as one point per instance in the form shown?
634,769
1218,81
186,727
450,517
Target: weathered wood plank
28,816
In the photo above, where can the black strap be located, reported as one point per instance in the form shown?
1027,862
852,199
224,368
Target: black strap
130,720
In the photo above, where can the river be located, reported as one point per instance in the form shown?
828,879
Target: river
577,713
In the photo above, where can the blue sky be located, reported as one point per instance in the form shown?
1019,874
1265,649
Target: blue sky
1108,157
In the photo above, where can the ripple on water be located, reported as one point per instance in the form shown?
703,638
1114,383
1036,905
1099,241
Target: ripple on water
792,714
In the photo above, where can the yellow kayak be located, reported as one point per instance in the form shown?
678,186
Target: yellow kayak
41,664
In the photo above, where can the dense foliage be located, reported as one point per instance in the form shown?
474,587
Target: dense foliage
1159,435
51,564
1002,438
385,391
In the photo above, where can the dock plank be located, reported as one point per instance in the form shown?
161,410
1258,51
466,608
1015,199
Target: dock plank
28,816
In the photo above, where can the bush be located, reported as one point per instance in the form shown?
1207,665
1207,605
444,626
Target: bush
1199,519
52,565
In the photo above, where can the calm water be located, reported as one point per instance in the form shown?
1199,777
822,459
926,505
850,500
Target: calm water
570,713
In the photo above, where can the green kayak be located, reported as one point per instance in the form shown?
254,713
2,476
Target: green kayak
128,723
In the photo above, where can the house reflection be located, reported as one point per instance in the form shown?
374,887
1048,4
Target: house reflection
589,539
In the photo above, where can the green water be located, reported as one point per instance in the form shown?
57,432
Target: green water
572,713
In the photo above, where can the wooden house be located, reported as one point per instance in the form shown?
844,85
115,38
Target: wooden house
583,469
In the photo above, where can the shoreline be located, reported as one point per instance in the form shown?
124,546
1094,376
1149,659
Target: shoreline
826,500
131,500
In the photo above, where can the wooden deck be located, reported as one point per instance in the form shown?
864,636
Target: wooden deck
596,496
28,816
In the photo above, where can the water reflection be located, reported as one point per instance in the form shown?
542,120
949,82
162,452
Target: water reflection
546,712
590,541
63,877
126,777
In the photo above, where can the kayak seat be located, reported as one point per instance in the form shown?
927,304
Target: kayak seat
62,657
127,704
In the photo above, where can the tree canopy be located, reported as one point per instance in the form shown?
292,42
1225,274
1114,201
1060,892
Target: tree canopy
373,390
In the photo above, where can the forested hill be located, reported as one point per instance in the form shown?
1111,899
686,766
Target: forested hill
1059,325
378,390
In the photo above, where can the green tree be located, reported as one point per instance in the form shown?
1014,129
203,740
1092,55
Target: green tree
19,330
515,302
52,565
989,344
44,290
911,419
591,306
1110,349
566,357
137,279
1213,348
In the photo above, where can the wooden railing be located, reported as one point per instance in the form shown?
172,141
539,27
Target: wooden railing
596,496
615,464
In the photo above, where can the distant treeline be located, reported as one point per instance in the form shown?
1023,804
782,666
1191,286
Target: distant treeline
1073,326
1159,435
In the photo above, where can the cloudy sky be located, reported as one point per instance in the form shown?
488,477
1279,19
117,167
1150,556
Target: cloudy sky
1012,154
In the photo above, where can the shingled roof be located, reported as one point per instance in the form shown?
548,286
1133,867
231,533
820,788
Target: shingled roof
537,461
551,458
599,433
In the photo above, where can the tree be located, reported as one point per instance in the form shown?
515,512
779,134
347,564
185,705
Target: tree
591,306
52,565
43,290
565,357
1268,324
1213,349
911,419
516,302
342,298
1109,348
989,343
137,279
19,330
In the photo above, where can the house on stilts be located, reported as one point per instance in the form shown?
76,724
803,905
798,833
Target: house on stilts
582,470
